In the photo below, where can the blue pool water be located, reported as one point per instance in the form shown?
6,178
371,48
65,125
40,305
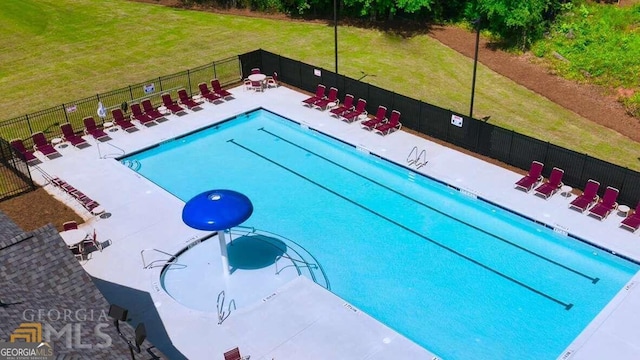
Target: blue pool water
459,276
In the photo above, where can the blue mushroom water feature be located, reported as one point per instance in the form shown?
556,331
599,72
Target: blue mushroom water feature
217,210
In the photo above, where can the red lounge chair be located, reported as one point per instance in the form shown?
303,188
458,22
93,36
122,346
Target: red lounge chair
27,155
332,99
138,114
234,354
602,209
148,108
552,186
69,135
224,94
392,125
208,94
347,105
41,144
90,128
187,101
121,122
532,178
632,222
353,115
381,117
588,197
171,105
318,96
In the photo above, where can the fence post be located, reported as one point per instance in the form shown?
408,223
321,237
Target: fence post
160,82
130,92
29,123
215,73
189,81
64,110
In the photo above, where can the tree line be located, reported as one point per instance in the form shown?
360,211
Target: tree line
516,22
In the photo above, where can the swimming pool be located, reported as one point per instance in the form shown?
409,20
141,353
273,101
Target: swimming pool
461,277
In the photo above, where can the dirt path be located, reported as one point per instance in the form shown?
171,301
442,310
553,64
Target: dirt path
590,102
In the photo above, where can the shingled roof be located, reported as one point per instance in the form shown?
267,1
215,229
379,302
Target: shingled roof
42,282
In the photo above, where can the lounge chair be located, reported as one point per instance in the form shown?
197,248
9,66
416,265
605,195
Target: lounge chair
90,128
347,105
208,94
392,125
122,122
171,105
632,222
69,225
41,144
69,135
354,115
272,81
532,179
381,117
224,94
188,101
331,99
26,155
604,207
153,112
138,114
552,186
318,96
234,354
588,197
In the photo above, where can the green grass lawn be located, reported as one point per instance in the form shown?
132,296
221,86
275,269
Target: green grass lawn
56,51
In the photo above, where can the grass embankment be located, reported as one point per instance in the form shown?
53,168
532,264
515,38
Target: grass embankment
56,51
598,44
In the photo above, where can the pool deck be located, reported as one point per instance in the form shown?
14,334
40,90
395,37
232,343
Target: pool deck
293,318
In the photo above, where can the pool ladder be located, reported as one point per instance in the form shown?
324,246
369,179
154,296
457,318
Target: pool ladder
158,262
222,315
294,261
419,159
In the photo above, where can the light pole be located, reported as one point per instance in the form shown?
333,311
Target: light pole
476,22
335,30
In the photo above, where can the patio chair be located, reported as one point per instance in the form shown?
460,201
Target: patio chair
632,222
247,84
392,125
41,144
208,94
354,115
532,179
26,155
152,111
78,252
272,81
123,123
588,197
604,207
171,105
552,186
224,94
318,96
187,101
347,105
69,225
92,242
69,135
255,71
234,354
381,117
138,114
90,128
330,100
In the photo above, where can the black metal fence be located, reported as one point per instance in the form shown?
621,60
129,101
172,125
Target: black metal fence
15,178
480,137
477,136
227,71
